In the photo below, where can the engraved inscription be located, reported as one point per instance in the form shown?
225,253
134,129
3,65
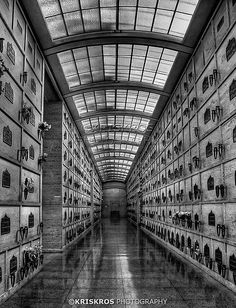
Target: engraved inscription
206,251
210,183
5,225
232,263
231,48
19,27
32,118
234,135
7,135
9,94
205,84
31,152
232,90
13,265
209,149
218,255
6,179
207,116
31,220
211,219
11,53
33,86
220,24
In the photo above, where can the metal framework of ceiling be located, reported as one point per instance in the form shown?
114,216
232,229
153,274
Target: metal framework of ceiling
115,62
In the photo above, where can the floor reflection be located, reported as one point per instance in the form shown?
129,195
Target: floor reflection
118,262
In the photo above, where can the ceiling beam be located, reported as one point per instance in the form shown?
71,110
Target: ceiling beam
114,172
112,141
108,112
118,37
116,85
114,151
109,171
114,157
114,166
114,129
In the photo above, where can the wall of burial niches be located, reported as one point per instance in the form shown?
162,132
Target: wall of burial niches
21,93
72,190
184,184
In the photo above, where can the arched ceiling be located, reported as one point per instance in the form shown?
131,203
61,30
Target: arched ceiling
115,62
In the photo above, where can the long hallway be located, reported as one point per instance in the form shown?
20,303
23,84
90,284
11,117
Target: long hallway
117,262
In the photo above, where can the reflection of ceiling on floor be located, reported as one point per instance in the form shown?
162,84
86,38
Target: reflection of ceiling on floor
112,60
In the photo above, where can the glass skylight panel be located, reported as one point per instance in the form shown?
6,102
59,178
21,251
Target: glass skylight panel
49,7
187,6
74,23
180,24
69,5
56,27
144,19
72,18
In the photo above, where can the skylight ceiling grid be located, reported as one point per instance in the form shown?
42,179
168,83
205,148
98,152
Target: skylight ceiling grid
69,17
137,63
113,154
116,99
111,122
114,163
122,147
115,136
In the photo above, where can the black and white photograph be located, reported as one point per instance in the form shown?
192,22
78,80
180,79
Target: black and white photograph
118,153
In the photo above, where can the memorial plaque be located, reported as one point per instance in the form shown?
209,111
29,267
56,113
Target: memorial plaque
31,220
220,24
7,135
209,149
231,48
234,135
207,116
32,118
211,219
206,251
31,152
205,84
218,255
232,263
33,86
13,265
0,274
189,242
6,179
232,90
210,183
11,53
5,225
9,94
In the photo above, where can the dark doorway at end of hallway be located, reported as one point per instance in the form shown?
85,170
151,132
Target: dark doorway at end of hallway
115,215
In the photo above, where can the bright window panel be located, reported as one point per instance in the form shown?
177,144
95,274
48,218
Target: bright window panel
108,18
162,21
74,23
180,24
144,19
187,6
69,5
56,26
91,20
49,7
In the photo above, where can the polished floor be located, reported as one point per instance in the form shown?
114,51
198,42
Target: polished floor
120,267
